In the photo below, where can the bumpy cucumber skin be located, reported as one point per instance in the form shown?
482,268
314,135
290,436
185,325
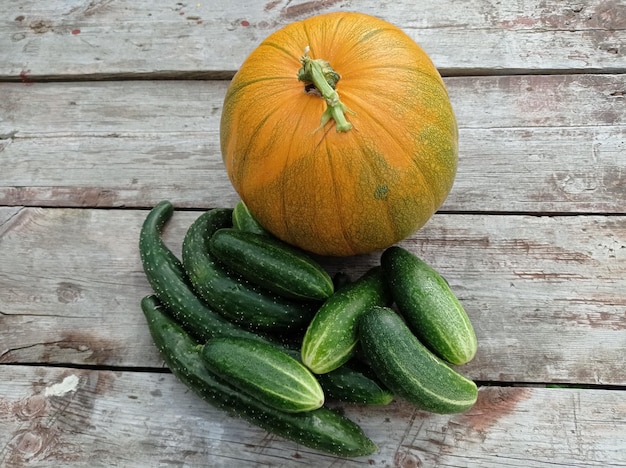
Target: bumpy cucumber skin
321,429
244,221
352,386
271,264
331,337
264,372
230,295
153,251
351,383
409,369
165,274
429,306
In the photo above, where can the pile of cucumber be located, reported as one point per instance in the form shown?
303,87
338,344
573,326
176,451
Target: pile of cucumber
261,330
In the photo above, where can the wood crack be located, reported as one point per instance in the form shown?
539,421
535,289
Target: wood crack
8,314
8,135
9,351
5,226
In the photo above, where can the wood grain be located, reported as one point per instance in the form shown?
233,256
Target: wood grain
532,143
72,281
104,39
65,417
107,107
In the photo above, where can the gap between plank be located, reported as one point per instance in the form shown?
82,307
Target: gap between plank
228,75
538,214
165,370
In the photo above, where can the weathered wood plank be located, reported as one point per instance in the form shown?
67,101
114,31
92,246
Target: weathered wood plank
100,39
71,281
140,107
56,416
550,143
546,294
566,170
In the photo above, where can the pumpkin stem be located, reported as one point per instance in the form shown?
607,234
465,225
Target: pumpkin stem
320,74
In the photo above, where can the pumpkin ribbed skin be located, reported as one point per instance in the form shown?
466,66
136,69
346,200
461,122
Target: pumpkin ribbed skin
330,192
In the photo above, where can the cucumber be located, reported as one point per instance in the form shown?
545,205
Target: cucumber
165,274
409,369
321,429
271,264
429,306
351,383
264,372
353,386
245,221
153,251
331,337
341,279
230,295
169,282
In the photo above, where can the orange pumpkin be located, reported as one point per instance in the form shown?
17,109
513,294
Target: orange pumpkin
338,134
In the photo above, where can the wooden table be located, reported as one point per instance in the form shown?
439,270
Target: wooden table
109,106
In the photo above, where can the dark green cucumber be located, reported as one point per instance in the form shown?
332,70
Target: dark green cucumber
341,279
408,368
153,251
350,383
169,282
165,274
272,264
331,336
321,429
353,386
264,372
245,221
230,295
429,306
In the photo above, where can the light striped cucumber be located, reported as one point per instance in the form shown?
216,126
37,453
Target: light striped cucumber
265,372
429,306
331,337
408,368
245,221
322,429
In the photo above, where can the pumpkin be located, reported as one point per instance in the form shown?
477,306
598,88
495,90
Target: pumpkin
338,134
